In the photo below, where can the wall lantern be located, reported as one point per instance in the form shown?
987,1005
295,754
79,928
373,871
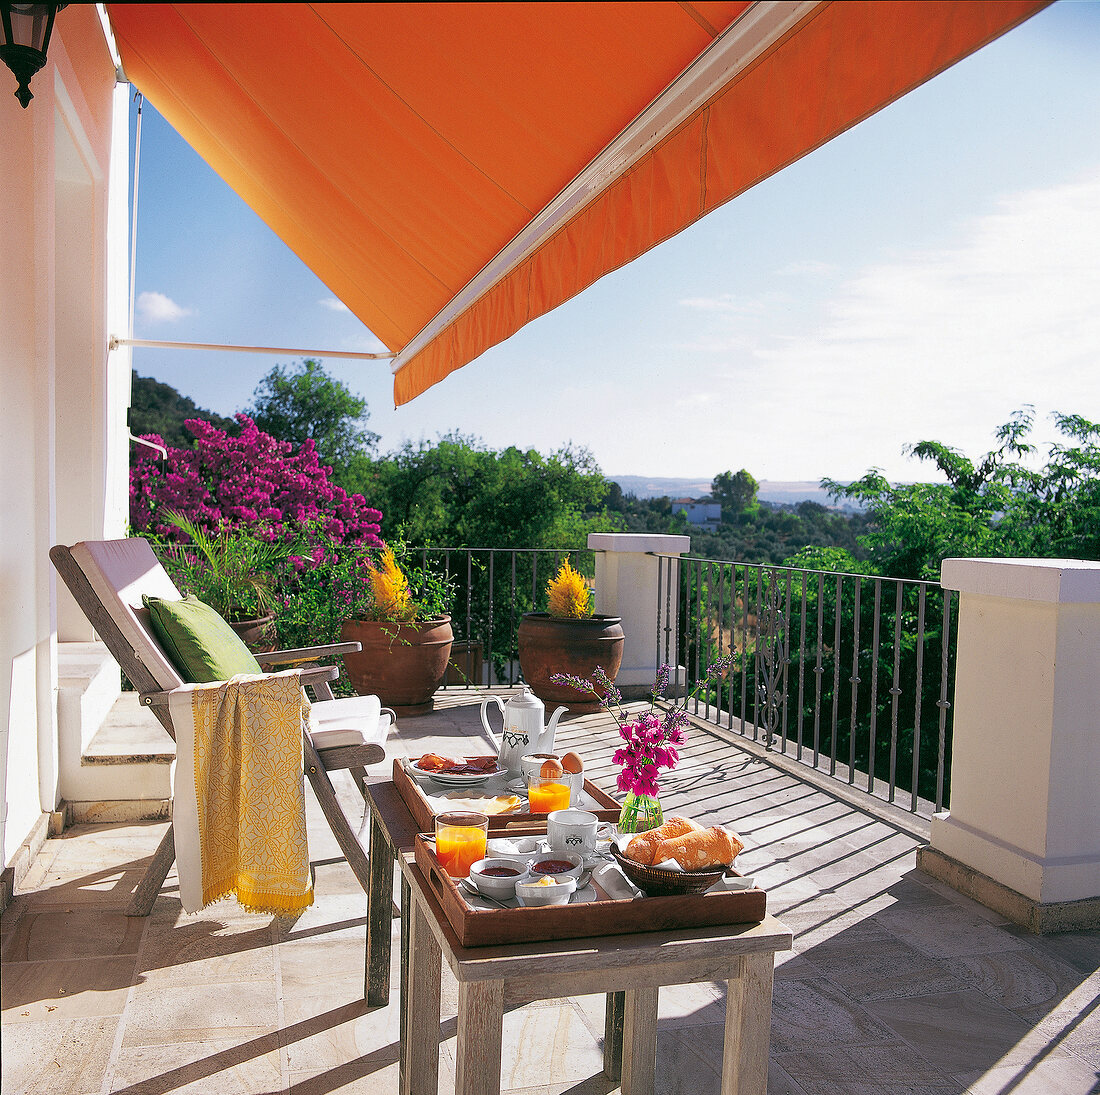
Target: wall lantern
27,29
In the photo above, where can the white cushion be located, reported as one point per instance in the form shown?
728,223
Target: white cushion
352,721
120,571
335,739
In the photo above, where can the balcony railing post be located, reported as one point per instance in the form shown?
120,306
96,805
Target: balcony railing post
627,586
1022,835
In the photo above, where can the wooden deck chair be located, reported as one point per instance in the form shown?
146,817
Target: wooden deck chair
108,577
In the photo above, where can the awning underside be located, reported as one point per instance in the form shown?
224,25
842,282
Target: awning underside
399,148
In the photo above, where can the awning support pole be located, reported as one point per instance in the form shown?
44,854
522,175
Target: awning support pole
116,342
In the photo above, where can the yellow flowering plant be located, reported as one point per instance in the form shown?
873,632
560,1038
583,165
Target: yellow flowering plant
405,594
567,593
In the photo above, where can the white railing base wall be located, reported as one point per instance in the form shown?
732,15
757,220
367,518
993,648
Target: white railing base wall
628,577
1025,795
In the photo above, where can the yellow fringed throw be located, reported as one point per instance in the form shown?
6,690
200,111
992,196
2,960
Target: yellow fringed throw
249,795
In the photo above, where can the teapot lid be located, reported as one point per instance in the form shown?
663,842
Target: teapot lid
526,698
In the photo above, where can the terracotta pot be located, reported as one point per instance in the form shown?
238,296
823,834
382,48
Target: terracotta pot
402,664
550,645
258,634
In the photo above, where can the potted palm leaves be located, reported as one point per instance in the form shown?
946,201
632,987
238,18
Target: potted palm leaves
233,572
569,638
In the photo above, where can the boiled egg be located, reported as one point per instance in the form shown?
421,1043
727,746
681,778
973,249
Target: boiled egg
572,763
550,769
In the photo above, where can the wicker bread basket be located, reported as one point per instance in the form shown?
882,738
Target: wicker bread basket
655,882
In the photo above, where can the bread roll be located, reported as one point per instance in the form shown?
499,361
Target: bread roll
642,847
701,849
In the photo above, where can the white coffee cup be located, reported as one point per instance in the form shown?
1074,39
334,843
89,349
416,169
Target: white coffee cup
572,831
532,763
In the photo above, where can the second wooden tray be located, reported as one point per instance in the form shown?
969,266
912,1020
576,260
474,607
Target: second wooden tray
421,809
608,916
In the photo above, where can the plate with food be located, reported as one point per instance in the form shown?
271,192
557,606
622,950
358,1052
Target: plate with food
480,802
456,771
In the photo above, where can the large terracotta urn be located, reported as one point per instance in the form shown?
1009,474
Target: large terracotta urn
401,664
549,644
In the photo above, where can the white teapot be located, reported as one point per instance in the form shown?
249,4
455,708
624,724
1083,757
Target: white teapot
523,729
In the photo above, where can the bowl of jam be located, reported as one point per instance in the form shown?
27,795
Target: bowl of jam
497,876
558,865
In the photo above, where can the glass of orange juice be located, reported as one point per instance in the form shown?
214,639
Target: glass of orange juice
460,841
546,795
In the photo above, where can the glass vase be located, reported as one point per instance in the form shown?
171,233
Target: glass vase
640,813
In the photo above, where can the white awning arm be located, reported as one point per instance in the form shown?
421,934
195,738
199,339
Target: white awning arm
754,31
115,342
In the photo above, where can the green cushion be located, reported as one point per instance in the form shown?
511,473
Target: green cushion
198,642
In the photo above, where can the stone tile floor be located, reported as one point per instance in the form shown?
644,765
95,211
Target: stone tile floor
896,986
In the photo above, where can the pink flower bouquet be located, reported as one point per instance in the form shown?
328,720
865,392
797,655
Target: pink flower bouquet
651,740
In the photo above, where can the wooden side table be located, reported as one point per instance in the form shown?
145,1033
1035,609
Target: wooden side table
392,831
491,978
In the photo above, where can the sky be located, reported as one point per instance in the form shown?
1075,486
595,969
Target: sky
922,276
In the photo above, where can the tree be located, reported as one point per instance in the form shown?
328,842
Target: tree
736,492
308,404
458,493
157,409
996,506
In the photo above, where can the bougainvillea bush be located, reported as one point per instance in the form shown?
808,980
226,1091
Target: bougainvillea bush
319,585
253,483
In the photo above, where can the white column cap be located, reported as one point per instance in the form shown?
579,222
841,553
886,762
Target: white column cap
1056,581
639,541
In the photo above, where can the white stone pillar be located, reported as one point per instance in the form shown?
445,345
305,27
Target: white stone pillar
1025,768
627,586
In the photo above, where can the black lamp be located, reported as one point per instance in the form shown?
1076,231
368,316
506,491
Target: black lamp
27,29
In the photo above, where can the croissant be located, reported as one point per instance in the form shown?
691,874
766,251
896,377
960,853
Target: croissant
642,847
703,848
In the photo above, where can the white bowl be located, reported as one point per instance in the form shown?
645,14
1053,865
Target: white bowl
495,886
532,895
573,871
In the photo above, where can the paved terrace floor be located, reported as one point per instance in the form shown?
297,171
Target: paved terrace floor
896,985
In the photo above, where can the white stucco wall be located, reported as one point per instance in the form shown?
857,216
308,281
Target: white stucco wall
59,462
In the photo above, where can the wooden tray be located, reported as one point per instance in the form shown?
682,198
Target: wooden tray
421,809
605,916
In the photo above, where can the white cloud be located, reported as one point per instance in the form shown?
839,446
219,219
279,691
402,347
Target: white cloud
808,268
158,308
1019,298
334,305
940,344
731,303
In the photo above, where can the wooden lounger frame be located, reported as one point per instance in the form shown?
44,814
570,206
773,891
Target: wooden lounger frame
318,763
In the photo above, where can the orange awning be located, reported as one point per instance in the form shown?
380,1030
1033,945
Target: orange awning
453,171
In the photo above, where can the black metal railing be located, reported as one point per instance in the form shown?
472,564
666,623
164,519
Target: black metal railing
847,673
494,587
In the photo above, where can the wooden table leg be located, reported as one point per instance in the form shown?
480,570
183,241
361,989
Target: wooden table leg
379,920
748,1027
639,1041
403,986
420,1040
480,1025
613,1036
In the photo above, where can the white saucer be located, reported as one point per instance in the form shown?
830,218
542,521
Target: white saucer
580,896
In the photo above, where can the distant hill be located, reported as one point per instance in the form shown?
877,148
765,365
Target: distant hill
158,408
774,491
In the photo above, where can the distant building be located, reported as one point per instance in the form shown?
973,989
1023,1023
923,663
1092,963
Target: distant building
703,512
